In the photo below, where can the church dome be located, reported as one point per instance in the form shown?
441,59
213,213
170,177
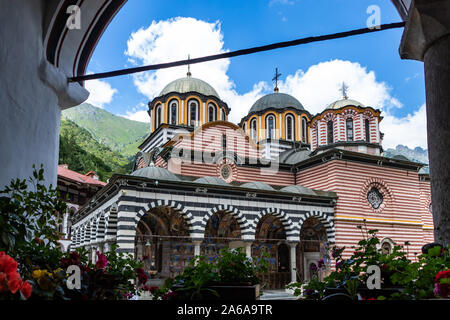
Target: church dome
257,185
153,172
276,100
211,180
344,103
189,84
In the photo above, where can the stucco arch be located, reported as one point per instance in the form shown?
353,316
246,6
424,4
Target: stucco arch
325,219
244,225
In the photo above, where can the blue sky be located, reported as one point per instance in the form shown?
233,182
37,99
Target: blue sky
370,62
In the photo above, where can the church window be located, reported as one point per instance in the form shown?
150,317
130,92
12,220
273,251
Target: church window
193,112
253,131
386,248
222,114
367,127
330,133
173,112
289,127
304,130
270,127
349,125
158,116
211,113
375,198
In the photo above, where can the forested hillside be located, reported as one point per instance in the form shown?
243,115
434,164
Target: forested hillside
79,149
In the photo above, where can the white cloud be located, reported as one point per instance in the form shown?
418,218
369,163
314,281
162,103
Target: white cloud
319,86
138,113
410,131
174,39
100,92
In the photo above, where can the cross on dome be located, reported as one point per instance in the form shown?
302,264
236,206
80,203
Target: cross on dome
344,90
189,67
275,78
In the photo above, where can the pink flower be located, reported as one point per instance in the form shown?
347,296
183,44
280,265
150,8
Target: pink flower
102,262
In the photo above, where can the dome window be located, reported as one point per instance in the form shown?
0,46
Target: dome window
173,112
330,133
304,130
193,112
349,126
211,113
222,115
367,128
158,116
270,127
290,127
253,131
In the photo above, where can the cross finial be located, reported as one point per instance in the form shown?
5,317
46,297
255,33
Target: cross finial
344,90
275,78
189,67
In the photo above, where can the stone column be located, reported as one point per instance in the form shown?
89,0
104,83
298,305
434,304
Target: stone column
427,38
248,249
197,244
293,260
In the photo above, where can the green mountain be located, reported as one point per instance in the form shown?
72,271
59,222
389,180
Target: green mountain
417,154
118,133
79,149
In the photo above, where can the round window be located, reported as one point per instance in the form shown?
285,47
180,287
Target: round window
375,198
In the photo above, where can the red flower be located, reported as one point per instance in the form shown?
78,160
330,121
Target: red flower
26,289
3,282
102,262
441,275
7,264
152,289
14,282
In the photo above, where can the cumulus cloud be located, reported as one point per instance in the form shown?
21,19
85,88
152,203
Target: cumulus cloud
320,85
100,92
138,113
315,88
175,39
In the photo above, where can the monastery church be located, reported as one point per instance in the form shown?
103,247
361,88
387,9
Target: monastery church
281,181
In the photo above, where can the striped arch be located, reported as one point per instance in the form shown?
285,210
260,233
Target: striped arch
110,224
247,231
325,219
175,205
94,226
280,214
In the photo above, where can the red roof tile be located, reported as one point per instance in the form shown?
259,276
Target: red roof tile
78,177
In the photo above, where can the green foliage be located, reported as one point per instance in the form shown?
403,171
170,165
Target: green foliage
28,212
119,134
83,153
414,279
231,267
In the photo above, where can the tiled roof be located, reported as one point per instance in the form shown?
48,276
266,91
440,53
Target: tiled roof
77,177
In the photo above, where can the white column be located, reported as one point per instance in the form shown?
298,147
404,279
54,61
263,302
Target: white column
197,244
293,255
65,229
204,113
248,249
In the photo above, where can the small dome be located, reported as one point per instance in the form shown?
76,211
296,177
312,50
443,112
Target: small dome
211,180
276,100
153,172
400,157
344,103
189,84
298,189
257,185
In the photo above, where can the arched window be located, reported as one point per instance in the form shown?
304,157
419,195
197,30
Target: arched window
349,126
193,112
158,116
253,131
304,130
330,133
222,114
289,125
173,112
367,130
211,112
270,127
